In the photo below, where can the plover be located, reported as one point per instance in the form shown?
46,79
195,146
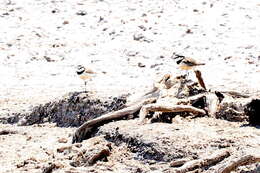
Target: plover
186,63
85,74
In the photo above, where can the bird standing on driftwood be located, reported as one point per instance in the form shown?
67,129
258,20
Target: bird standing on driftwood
85,74
186,63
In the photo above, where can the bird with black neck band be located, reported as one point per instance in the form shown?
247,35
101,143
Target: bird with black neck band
85,74
186,63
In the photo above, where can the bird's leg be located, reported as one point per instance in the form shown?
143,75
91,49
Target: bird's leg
187,73
85,82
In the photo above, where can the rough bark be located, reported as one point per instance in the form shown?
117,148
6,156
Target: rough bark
85,130
234,163
168,108
204,162
179,162
177,94
200,79
212,104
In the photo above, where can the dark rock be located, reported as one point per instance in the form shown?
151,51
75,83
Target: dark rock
49,168
252,110
149,142
7,132
65,22
162,142
141,64
81,13
142,27
55,11
140,37
155,65
48,59
132,53
73,110
188,31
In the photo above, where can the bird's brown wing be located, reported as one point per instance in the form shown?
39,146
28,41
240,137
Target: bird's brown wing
90,71
191,62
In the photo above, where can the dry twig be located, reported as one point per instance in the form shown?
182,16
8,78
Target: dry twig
200,79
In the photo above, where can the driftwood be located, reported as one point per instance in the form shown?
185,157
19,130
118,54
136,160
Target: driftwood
179,95
188,165
168,108
204,162
234,163
179,162
85,130
200,79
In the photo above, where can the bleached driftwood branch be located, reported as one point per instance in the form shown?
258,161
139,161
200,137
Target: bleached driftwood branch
84,131
168,108
234,163
204,162
176,94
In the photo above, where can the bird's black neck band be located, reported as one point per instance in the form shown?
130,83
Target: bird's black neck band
80,72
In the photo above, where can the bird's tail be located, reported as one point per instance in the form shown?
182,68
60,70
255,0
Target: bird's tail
200,64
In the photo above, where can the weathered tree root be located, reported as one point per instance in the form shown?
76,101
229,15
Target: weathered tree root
204,162
234,163
84,131
179,162
168,108
178,94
